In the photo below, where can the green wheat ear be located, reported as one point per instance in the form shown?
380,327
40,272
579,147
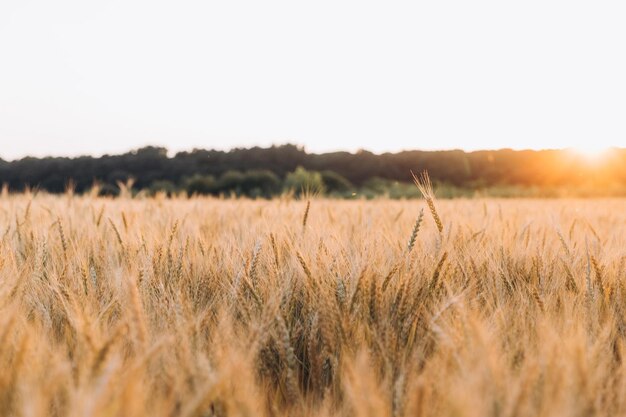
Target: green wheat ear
415,231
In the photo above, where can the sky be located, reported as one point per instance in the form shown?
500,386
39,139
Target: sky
93,77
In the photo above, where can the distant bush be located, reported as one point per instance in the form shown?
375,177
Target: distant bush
108,190
199,184
303,181
230,181
253,183
162,186
260,183
334,182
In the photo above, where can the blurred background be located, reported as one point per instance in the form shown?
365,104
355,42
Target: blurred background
179,91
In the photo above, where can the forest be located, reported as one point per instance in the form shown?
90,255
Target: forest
265,172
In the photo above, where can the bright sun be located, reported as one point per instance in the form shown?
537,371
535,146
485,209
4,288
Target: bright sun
591,151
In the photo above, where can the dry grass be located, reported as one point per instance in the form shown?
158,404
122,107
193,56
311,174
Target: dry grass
209,307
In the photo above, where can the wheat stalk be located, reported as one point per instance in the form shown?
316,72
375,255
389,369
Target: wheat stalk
424,186
306,214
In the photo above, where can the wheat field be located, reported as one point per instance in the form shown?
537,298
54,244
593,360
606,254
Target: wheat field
226,307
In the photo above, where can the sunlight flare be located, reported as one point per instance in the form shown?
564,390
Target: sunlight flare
592,151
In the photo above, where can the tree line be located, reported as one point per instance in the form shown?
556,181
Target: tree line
264,172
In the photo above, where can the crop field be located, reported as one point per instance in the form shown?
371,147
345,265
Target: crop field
311,307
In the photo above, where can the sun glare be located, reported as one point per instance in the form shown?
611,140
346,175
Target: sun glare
591,151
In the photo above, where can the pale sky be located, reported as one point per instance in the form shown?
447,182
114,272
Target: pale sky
89,77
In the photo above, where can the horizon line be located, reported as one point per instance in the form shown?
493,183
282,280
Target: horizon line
172,152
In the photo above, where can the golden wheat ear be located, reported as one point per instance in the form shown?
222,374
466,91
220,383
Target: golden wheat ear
424,185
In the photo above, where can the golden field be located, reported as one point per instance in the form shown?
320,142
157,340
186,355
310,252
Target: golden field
217,307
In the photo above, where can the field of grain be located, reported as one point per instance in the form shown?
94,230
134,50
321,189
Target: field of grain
209,307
